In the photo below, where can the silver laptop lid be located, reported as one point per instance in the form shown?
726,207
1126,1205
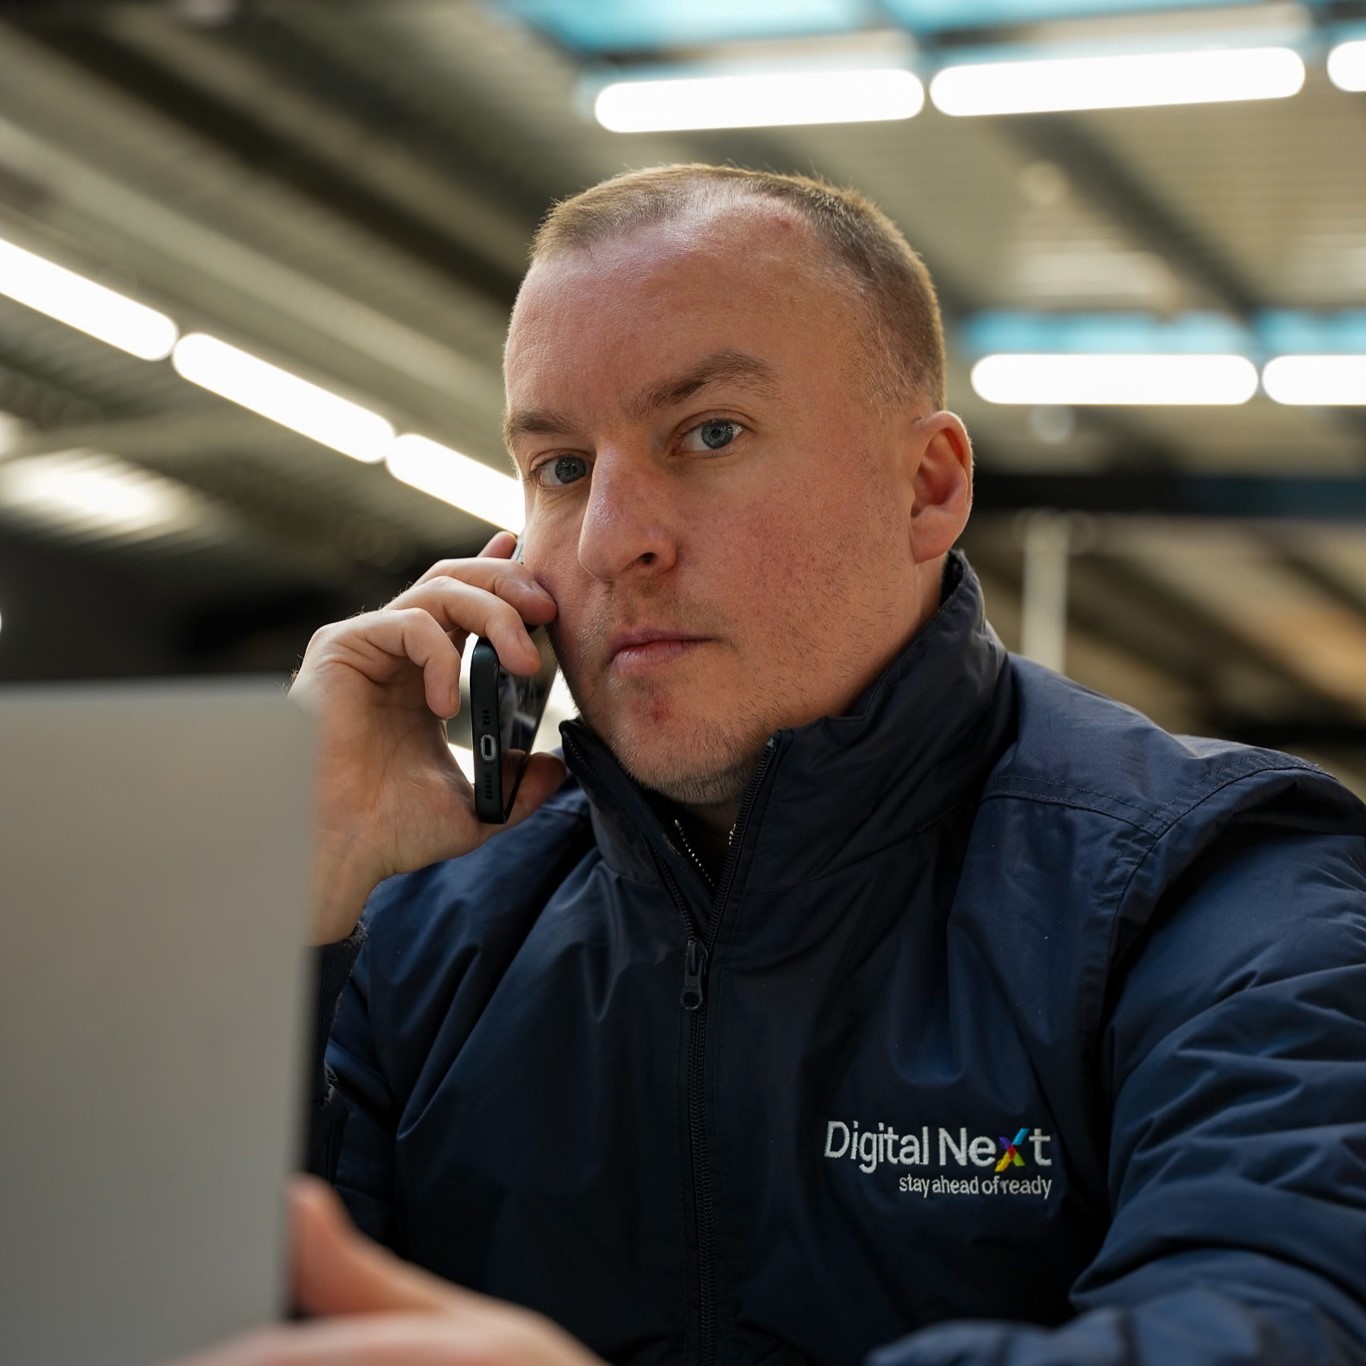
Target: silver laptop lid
153,877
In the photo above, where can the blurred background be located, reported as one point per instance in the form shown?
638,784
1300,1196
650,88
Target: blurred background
256,260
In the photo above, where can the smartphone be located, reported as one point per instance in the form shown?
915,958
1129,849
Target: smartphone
505,712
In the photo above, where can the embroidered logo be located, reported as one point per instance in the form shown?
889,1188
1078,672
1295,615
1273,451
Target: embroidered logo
959,1155
1011,1155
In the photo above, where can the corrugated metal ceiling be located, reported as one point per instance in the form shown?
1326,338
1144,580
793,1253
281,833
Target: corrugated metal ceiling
349,189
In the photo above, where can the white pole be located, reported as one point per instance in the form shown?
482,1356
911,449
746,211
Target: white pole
1047,548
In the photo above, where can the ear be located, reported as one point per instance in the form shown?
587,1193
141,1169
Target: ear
941,484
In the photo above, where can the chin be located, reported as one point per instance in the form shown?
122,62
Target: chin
701,769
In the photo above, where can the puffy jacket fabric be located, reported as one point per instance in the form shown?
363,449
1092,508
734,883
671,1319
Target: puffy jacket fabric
1029,1033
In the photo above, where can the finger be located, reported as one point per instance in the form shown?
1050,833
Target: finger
384,1339
463,610
337,1270
501,545
542,777
393,1312
430,631
505,578
373,643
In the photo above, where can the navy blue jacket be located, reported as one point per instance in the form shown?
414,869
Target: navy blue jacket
1017,1031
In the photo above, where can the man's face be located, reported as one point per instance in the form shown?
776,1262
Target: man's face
720,516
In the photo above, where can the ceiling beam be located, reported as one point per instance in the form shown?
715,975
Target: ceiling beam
1309,731
157,437
1163,491
1096,172
261,144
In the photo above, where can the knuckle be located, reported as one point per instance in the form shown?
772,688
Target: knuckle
327,637
445,569
417,619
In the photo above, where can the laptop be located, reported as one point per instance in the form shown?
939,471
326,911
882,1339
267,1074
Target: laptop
153,881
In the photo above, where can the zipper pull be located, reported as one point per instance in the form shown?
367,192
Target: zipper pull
694,968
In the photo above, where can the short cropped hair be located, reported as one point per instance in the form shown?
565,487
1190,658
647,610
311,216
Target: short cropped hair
905,331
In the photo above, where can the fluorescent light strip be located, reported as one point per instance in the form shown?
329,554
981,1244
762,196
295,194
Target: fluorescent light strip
1117,379
92,490
1325,381
457,479
80,303
759,100
1347,65
296,403
1118,82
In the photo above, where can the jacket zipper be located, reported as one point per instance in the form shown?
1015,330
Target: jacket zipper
696,952
696,861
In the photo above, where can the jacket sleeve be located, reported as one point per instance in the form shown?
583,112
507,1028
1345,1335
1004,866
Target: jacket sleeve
1233,1065
348,1096
325,1121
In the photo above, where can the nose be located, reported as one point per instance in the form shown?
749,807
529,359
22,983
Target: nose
628,522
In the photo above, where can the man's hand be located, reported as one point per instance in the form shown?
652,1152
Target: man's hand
389,797
375,1310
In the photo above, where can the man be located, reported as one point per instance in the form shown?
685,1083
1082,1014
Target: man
868,994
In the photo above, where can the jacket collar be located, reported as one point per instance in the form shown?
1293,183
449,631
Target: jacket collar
919,741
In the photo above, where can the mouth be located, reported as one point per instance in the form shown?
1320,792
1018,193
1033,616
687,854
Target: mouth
650,648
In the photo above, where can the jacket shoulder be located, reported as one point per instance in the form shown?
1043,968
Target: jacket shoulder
1080,749
1096,825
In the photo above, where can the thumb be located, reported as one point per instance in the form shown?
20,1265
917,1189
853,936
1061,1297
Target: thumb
544,773
337,1270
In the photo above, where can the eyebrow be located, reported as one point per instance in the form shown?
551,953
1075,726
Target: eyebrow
720,367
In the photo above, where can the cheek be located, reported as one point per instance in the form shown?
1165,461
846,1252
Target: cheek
552,540
782,580
554,565
743,567
828,564
790,543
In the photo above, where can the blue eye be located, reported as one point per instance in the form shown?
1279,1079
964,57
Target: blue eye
715,434
562,470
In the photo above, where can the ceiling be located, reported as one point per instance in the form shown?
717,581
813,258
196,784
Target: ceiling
348,189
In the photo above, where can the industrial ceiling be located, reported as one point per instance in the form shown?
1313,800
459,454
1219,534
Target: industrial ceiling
347,190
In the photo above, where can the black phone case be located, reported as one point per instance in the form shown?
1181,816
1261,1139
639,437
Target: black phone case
486,733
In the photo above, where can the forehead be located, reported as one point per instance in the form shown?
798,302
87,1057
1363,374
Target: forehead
755,280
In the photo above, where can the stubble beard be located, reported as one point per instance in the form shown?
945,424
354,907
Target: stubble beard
703,763
709,772
699,765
